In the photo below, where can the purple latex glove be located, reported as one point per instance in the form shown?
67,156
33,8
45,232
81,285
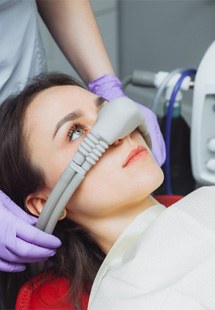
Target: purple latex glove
110,87
20,242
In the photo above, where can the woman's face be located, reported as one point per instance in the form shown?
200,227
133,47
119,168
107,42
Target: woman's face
56,121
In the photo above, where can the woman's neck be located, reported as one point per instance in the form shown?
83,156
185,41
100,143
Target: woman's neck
107,230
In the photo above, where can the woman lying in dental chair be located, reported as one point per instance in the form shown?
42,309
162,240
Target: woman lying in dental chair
118,242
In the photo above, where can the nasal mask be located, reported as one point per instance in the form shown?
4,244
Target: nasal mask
116,120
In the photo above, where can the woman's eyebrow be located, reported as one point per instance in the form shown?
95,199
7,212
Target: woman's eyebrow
69,117
99,102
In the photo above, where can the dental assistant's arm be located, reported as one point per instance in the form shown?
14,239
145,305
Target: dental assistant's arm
73,26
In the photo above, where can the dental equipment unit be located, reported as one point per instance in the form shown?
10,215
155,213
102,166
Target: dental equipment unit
115,120
202,124
203,121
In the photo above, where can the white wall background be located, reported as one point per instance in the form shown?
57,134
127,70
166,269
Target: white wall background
151,35
164,34
161,35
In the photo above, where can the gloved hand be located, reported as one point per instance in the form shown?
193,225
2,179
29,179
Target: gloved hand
20,242
109,87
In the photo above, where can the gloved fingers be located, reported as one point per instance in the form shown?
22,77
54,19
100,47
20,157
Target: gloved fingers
22,243
24,253
158,145
36,236
8,267
108,86
10,206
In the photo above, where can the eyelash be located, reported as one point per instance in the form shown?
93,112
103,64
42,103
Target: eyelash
76,127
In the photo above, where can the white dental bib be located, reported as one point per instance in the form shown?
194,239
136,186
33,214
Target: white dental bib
164,260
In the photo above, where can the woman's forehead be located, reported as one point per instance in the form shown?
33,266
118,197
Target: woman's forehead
64,94
60,98
54,103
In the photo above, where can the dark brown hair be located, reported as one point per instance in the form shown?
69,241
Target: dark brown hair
79,257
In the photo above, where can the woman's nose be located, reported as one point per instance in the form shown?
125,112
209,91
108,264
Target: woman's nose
119,141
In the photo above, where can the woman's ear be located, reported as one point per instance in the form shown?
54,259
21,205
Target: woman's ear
35,202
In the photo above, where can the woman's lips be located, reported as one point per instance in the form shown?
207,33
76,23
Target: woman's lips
139,152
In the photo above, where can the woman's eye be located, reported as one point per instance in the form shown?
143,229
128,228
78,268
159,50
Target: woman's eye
76,132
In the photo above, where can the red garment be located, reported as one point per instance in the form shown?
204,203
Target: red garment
46,291
168,200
